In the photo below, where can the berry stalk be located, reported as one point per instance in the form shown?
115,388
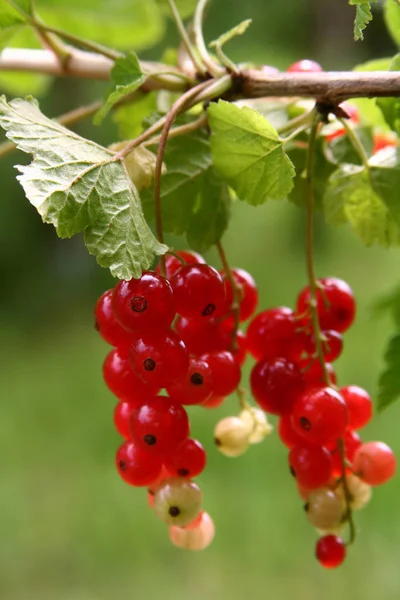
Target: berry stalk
235,290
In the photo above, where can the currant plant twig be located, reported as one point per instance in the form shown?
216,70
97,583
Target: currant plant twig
357,145
235,291
212,67
185,38
180,130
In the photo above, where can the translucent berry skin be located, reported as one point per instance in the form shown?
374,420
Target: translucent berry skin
177,501
335,304
276,384
330,551
194,538
248,293
189,460
196,386
287,434
271,332
160,359
320,415
225,371
122,381
145,304
311,465
199,291
106,323
160,426
313,373
359,404
173,264
122,415
352,441
213,402
240,353
332,346
305,66
207,335
374,463
135,466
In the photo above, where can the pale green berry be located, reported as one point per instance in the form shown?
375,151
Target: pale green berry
231,437
177,501
325,509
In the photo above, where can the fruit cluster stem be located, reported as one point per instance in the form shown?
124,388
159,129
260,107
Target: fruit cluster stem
235,290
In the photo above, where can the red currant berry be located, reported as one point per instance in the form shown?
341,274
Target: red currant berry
160,359
330,551
271,333
320,415
225,371
173,264
136,466
359,404
121,379
247,290
196,386
122,415
311,465
198,291
240,353
352,441
383,140
189,460
208,335
213,402
305,66
332,345
145,304
160,426
313,372
287,434
276,384
335,304
106,324
374,463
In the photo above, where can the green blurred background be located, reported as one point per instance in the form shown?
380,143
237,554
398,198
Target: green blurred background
70,529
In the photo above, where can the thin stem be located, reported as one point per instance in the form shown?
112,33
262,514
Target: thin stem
180,130
185,38
143,137
55,45
74,39
212,66
243,404
347,495
357,145
304,119
235,291
69,118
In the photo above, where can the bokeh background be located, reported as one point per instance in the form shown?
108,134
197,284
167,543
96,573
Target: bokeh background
70,529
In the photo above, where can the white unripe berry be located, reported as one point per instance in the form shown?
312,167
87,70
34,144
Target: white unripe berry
231,437
325,509
197,538
256,423
177,501
360,492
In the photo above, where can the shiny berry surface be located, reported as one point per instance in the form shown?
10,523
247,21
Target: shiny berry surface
313,372
320,415
359,404
173,264
189,460
136,466
271,332
305,66
276,384
196,386
160,359
330,551
199,291
311,465
121,379
122,415
159,426
286,432
225,370
247,292
374,463
332,345
106,324
145,304
335,304
207,335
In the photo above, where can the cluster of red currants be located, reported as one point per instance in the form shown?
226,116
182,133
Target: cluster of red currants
318,422
175,333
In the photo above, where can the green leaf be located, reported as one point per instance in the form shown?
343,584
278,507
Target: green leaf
140,164
25,5
389,381
185,7
126,76
343,151
131,24
248,153
77,185
228,35
363,17
391,15
11,21
129,117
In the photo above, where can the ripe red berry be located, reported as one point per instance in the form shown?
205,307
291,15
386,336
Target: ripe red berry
189,460
336,306
384,140
121,379
374,463
320,415
199,291
213,402
271,333
207,335
240,353
305,66
330,551
173,264
159,426
106,323
287,434
276,384
247,291
196,386
225,371
311,465
122,415
352,441
145,304
136,466
332,345
313,373
159,358
359,404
